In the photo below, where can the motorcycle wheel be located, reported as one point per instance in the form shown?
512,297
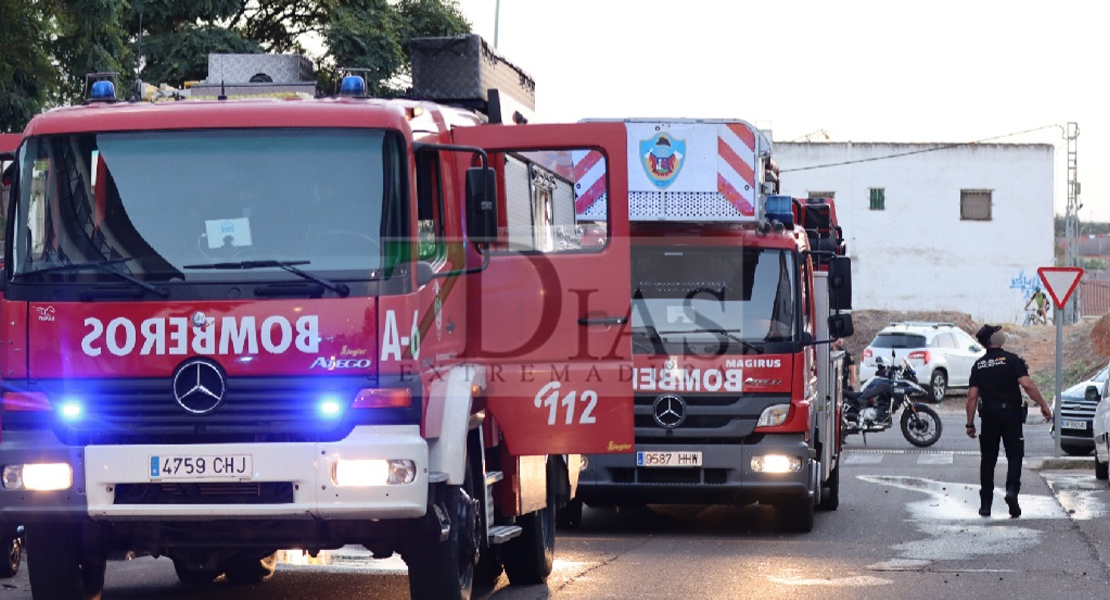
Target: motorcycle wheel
921,426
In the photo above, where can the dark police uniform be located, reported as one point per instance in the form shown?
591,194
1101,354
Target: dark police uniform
848,362
996,375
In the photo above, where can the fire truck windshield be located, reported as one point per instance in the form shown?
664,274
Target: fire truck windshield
155,202
692,296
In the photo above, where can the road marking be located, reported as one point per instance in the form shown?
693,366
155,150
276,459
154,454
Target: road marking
936,459
862,459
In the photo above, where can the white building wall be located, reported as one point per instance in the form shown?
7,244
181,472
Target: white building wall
918,254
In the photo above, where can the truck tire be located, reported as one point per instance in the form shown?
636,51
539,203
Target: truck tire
250,569
56,566
796,514
445,570
529,558
830,498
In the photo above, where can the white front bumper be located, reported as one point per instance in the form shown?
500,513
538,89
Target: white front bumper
308,466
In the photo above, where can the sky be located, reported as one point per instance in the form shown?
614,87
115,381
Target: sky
851,70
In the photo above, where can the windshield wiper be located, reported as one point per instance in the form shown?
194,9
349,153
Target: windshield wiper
728,334
289,265
103,266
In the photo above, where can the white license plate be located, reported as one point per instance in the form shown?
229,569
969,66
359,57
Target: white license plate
186,466
668,459
1066,424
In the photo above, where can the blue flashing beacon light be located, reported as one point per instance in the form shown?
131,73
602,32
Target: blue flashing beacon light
71,411
102,90
781,209
352,85
329,408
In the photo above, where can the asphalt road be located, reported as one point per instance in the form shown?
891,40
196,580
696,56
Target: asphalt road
906,528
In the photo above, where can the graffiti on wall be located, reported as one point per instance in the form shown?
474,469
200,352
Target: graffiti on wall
1025,284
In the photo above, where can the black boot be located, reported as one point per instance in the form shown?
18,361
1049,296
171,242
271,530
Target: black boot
1012,501
985,503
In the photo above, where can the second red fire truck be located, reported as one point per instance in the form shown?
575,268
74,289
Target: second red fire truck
736,292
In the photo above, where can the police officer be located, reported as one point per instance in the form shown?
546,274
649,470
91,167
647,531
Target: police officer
997,379
851,371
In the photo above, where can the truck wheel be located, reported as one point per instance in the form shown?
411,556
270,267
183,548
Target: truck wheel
529,558
193,575
445,570
796,514
830,499
569,516
56,566
247,571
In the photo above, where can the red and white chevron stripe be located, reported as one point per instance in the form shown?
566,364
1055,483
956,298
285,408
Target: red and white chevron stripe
736,166
589,178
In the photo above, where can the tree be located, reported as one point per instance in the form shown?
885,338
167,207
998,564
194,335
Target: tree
27,77
90,38
52,44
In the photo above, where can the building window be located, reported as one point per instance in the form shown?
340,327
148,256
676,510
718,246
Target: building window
822,195
975,205
878,199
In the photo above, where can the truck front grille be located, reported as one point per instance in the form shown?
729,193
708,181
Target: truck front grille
204,493
665,476
253,410
722,418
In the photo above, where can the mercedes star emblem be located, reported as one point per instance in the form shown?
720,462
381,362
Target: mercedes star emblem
199,386
199,319
669,411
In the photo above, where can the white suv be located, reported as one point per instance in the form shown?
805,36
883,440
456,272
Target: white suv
941,353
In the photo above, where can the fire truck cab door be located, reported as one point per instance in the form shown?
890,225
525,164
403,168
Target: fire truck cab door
548,315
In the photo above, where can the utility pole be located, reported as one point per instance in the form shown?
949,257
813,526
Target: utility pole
496,22
1071,222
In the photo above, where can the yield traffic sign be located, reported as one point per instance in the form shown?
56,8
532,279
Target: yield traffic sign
1060,282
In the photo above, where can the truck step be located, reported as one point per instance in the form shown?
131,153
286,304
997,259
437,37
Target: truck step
493,477
499,534
437,477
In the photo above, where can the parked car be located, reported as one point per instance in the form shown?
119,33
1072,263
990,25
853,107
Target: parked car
941,353
1100,429
1077,411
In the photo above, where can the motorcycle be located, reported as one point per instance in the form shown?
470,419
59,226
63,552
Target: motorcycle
893,388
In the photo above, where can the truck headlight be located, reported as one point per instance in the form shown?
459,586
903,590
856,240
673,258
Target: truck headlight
38,477
773,415
372,472
776,463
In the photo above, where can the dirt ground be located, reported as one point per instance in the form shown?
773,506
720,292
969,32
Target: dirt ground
1086,344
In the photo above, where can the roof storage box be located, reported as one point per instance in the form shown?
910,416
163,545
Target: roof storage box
257,74
461,70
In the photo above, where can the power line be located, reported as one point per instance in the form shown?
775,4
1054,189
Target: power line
922,151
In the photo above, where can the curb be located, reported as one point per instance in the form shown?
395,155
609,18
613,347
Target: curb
1060,463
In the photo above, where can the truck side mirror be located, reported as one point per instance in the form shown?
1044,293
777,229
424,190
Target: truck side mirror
481,204
1091,394
840,283
840,326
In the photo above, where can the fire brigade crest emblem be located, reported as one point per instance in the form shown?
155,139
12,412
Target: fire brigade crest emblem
663,156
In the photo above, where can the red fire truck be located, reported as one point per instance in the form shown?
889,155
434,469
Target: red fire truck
736,292
237,325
